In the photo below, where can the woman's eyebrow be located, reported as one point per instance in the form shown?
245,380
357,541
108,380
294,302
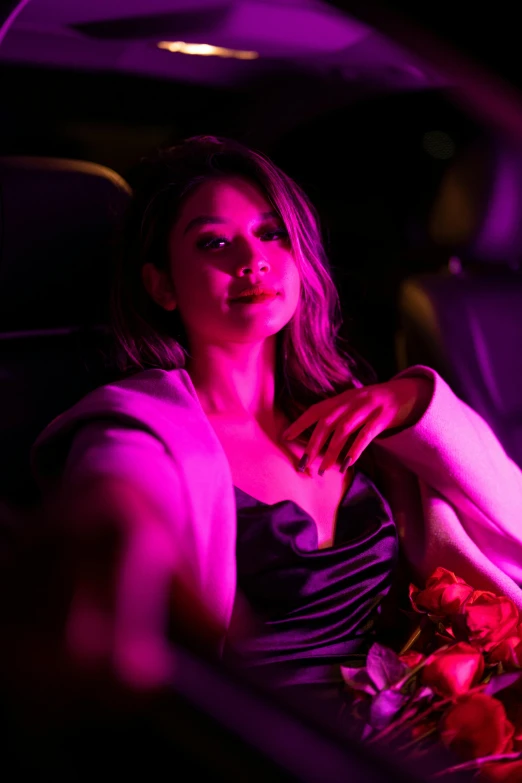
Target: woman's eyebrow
203,220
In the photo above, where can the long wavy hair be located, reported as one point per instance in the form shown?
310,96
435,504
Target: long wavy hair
311,362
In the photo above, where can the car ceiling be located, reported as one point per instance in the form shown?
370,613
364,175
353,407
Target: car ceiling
288,35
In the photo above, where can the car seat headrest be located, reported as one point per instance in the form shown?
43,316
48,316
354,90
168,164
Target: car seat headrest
476,213
58,221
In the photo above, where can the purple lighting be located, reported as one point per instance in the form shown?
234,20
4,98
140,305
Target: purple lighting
11,18
500,230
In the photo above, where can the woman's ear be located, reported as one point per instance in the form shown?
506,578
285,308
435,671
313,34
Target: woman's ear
159,286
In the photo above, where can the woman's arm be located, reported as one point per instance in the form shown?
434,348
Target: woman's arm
122,562
454,450
132,578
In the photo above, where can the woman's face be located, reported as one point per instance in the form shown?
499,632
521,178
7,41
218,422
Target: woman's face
227,238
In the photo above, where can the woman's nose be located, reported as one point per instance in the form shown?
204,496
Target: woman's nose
252,259
253,266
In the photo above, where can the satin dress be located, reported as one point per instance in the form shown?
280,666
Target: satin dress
314,609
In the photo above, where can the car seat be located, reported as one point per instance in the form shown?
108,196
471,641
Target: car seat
466,320
58,221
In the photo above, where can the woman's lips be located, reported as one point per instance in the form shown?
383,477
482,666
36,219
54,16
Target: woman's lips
257,299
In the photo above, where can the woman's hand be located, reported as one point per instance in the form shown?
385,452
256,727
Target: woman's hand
132,593
360,416
94,604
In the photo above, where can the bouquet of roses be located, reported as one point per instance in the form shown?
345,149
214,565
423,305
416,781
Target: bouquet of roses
457,681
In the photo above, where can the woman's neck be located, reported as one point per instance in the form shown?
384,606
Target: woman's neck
237,382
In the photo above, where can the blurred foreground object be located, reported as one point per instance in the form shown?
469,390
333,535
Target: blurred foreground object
66,715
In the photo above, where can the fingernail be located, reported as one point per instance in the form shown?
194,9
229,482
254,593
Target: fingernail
303,462
346,463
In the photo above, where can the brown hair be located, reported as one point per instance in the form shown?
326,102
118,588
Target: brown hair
310,361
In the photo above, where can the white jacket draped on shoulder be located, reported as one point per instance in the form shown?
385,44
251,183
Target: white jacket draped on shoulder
455,494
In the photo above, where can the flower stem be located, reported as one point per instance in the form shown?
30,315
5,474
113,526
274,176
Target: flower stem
400,723
413,638
418,739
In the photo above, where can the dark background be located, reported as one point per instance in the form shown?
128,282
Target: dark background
487,33
363,164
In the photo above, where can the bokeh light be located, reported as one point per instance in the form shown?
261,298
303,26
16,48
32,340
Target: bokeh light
438,144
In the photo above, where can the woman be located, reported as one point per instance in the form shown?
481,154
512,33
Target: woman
187,459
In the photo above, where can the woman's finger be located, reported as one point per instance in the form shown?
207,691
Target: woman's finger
343,433
335,447
322,431
373,427
319,410
302,423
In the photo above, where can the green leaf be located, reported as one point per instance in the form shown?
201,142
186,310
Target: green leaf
384,666
357,678
501,681
385,706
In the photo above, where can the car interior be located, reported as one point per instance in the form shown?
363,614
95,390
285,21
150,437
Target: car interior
418,192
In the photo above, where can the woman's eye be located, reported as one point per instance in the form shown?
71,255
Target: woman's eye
278,233
218,243
212,243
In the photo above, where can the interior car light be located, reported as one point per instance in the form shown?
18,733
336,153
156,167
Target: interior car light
206,50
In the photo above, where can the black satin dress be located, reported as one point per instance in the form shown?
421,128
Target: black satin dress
314,608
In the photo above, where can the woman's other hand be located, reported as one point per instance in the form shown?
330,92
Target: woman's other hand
358,416
93,601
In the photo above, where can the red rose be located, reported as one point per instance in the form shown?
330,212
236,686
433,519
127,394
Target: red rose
503,772
489,619
509,652
475,726
444,593
411,658
511,699
454,671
